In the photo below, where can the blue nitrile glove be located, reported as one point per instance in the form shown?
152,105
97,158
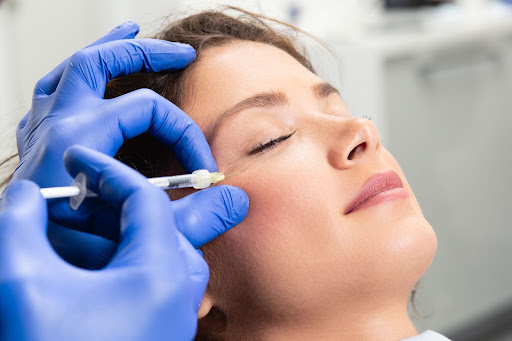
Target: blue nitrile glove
68,108
151,289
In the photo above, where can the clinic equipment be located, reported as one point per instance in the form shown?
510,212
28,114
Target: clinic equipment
78,191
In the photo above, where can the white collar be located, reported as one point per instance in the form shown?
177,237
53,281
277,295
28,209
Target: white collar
427,335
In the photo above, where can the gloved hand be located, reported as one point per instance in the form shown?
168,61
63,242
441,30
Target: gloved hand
150,290
68,108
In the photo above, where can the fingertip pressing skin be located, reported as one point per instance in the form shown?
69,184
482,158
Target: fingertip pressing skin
237,203
204,215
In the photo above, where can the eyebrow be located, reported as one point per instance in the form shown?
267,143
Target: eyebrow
270,99
323,90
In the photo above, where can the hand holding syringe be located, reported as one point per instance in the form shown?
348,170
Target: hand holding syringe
78,191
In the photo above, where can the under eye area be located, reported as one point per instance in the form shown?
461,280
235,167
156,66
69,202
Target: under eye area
263,147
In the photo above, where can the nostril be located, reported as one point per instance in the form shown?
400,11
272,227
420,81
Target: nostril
358,149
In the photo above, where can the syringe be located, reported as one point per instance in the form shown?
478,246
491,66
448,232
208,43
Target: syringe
78,191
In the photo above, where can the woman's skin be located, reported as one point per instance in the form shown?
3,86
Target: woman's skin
298,267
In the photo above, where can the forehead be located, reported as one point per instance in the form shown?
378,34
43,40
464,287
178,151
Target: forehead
224,76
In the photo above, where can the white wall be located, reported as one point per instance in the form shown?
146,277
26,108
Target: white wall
10,103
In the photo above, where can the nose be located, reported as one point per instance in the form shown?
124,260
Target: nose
355,141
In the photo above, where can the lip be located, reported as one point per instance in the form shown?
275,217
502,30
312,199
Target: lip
379,188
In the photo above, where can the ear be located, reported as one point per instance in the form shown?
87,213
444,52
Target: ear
206,304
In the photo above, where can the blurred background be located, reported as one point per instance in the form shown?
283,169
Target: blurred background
436,78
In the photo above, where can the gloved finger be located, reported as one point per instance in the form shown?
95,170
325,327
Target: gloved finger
48,84
92,68
23,221
113,181
146,230
22,124
81,249
144,110
204,215
198,271
93,216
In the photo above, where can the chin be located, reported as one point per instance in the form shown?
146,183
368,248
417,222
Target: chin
415,249
406,248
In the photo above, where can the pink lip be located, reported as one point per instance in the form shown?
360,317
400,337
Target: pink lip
379,188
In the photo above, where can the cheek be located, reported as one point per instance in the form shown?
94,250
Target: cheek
282,240
285,215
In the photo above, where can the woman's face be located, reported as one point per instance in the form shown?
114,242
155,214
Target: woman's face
285,137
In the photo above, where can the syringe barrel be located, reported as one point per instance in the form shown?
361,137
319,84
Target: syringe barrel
178,181
199,179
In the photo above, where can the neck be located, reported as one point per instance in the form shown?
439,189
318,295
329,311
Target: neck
389,322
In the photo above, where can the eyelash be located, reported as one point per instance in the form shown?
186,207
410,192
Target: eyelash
263,147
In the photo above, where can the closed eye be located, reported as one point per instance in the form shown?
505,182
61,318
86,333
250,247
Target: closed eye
263,147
